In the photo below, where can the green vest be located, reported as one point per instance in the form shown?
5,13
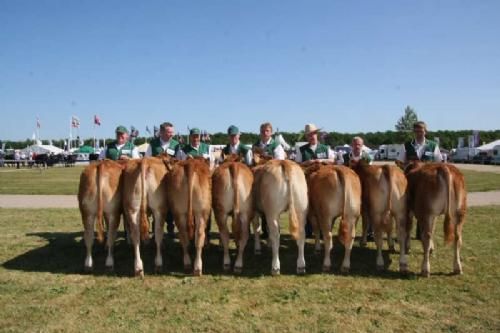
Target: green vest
156,148
365,159
427,155
113,153
269,148
241,150
321,152
203,150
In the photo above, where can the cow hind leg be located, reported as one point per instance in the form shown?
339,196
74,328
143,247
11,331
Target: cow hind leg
221,218
159,221
199,243
378,231
402,239
113,221
426,226
349,241
256,236
274,238
301,261
244,228
136,242
180,221
326,229
88,237
457,244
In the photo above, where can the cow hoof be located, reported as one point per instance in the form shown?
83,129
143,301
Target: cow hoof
275,272
258,252
238,270
344,270
197,272
226,267
158,269
301,270
425,274
326,269
139,273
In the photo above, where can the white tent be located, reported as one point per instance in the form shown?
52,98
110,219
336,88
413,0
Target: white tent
489,146
42,149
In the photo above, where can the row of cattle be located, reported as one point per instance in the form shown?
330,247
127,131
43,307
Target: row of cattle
317,192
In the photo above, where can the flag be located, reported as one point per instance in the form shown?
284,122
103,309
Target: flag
147,130
38,122
75,122
97,120
155,131
134,132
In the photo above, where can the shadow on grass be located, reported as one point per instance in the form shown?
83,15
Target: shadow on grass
65,254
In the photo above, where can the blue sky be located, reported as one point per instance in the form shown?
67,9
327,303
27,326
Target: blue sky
346,66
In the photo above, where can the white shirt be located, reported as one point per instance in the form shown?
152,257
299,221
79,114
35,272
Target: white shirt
135,152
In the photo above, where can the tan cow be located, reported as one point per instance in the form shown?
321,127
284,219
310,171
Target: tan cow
189,198
280,186
385,198
99,195
145,188
435,189
334,191
232,195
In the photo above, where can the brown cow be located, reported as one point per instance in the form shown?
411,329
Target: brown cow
384,195
144,188
99,195
435,189
334,191
280,186
189,198
232,194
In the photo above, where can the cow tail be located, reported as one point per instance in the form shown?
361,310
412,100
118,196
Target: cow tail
386,169
100,202
189,169
294,220
144,226
449,228
234,172
343,225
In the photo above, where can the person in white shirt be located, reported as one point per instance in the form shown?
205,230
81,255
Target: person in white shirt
121,148
165,143
420,148
270,146
314,150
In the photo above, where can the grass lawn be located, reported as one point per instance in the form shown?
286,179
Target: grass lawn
55,180
477,181
65,180
42,287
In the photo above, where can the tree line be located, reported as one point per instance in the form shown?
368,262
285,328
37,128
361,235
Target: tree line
448,139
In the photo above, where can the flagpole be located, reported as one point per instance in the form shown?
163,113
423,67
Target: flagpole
70,136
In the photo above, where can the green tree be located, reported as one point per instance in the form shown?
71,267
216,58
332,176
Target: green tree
405,123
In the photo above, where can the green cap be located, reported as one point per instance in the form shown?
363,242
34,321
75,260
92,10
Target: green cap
121,129
194,131
233,130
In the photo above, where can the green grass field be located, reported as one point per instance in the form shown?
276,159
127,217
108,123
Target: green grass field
42,287
56,180
65,181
